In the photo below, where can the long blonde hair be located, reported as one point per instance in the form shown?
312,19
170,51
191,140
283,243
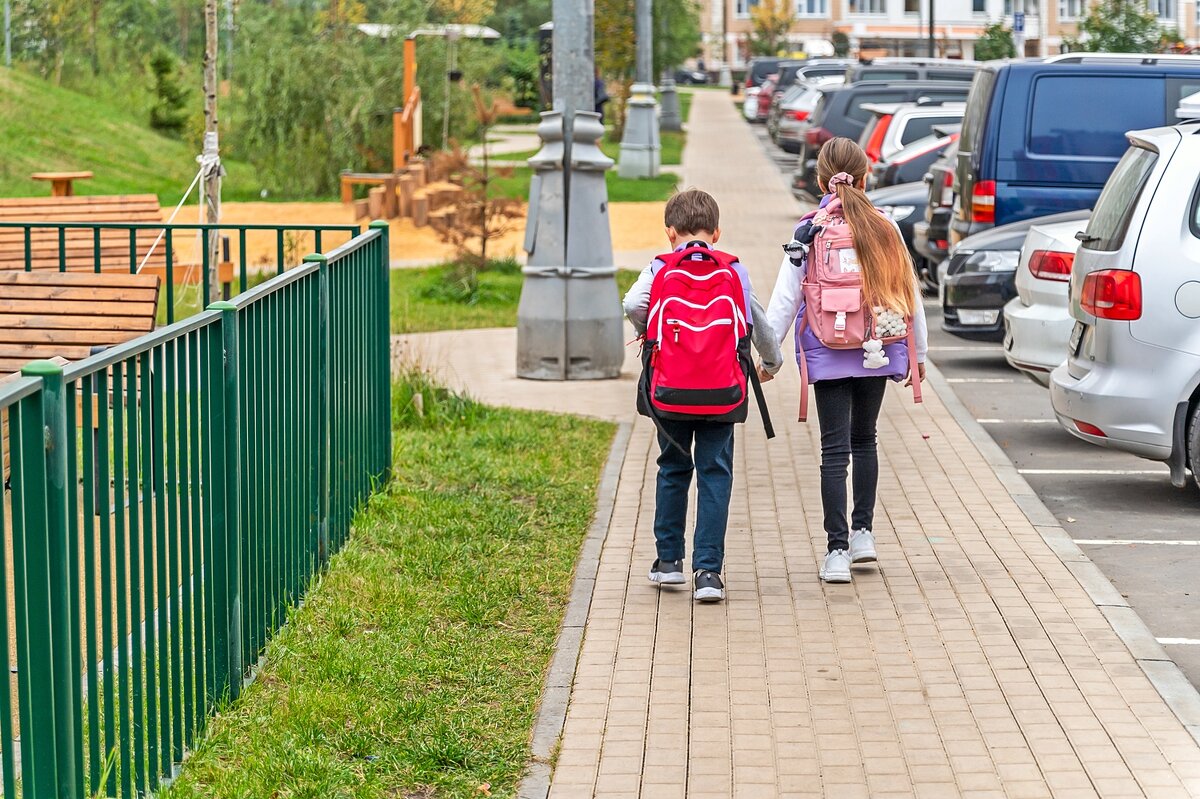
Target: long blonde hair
887,269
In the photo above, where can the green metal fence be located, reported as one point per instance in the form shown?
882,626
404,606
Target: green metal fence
170,499
130,246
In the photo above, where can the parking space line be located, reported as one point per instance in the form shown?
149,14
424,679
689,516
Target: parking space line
1128,542
980,380
1017,421
1094,471
1179,641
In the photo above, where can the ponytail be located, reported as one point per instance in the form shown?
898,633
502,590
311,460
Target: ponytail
887,270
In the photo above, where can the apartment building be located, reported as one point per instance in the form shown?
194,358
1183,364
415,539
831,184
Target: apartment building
901,27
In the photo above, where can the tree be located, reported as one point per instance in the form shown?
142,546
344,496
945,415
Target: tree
771,20
169,113
465,12
995,42
841,44
1119,26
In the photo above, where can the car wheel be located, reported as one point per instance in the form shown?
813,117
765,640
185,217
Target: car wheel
1194,445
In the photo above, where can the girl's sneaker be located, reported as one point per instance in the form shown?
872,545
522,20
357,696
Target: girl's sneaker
667,572
709,587
836,568
862,546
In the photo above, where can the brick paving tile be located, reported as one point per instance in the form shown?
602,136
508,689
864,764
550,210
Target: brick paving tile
969,662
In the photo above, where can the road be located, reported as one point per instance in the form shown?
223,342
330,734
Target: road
1143,533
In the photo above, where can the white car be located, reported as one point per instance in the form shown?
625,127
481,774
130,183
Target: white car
1037,321
1131,380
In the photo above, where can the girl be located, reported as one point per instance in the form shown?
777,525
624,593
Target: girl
848,392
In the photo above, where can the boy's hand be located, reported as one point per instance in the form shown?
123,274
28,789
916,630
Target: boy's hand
920,371
764,376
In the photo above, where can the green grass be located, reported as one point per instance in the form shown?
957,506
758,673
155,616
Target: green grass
49,129
620,190
415,666
440,298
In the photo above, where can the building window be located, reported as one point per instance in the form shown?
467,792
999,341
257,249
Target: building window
742,8
979,6
1029,7
812,8
1163,9
1071,9
912,6
868,6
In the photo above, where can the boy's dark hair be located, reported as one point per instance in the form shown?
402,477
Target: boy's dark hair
692,211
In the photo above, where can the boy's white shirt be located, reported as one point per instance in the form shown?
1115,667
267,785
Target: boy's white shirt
637,308
789,294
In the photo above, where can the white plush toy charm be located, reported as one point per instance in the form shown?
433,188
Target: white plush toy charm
873,357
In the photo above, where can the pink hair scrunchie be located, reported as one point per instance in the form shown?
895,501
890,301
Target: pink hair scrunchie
841,179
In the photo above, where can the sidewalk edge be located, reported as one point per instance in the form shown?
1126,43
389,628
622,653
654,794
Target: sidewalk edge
556,691
1174,688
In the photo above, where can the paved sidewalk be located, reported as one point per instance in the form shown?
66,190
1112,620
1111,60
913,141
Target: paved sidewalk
971,662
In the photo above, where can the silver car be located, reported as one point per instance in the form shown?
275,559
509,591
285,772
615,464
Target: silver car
796,109
1038,320
1131,380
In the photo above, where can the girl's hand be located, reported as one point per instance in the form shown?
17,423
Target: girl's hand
920,371
764,376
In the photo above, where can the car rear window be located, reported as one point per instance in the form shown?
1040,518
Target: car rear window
965,75
856,110
1074,115
1114,209
920,127
886,74
977,108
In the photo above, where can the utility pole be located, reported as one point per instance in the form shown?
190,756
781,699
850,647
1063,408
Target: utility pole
671,116
640,150
932,36
210,159
569,323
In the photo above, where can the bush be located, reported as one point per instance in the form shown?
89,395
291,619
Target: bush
169,113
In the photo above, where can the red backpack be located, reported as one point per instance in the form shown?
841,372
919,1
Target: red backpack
696,351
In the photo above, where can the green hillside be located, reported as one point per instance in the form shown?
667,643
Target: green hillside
44,128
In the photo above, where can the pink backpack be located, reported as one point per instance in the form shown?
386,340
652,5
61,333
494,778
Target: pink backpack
834,307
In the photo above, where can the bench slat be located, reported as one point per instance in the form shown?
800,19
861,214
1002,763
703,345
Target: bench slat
138,324
78,279
12,335
94,307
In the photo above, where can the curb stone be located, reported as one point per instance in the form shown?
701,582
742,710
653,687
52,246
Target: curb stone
1174,688
556,692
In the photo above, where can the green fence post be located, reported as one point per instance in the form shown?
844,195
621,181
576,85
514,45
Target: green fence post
384,365
233,498
54,547
322,408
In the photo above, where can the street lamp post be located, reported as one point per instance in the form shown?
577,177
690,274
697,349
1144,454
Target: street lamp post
640,151
569,319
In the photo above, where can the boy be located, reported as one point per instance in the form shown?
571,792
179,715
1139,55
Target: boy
692,220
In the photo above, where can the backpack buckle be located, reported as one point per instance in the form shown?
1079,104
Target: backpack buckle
839,322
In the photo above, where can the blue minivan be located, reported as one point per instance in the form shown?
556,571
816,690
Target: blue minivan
1042,137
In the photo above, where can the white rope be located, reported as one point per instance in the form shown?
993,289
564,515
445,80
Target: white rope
174,213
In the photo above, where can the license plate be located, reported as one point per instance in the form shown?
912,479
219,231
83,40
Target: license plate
1076,338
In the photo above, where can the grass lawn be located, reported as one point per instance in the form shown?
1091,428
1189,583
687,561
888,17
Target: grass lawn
620,190
415,665
433,299
47,128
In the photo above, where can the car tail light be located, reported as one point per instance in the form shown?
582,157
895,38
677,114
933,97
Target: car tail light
948,190
799,115
1051,265
983,201
1089,429
816,137
942,244
874,148
1113,294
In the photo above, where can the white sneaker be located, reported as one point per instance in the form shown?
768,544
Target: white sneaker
862,546
836,568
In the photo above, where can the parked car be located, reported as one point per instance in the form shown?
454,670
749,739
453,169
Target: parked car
1041,137
911,163
897,69
894,126
840,112
791,116
1131,379
691,77
1037,322
931,236
979,278
757,71
902,204
771,90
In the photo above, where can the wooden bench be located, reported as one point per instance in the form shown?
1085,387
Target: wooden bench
79,243
62,316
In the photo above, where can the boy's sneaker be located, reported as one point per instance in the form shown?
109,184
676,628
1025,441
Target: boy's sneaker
709,587
667,572
836,568
862,546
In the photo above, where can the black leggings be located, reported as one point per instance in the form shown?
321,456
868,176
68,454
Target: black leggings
848,410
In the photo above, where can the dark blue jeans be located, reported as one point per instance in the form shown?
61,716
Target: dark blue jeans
848,410
710,456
